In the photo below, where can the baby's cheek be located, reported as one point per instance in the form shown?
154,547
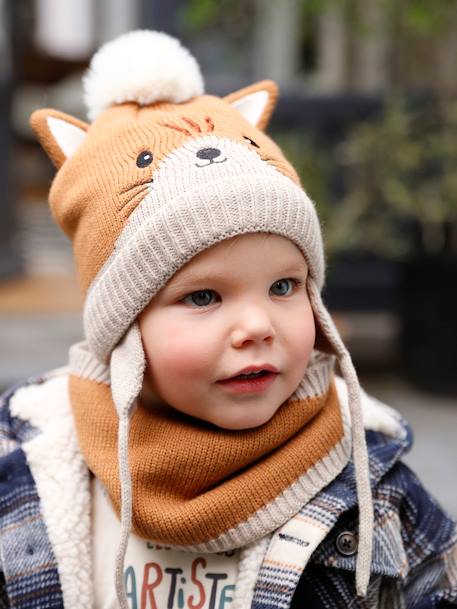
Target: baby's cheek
304,336
184,354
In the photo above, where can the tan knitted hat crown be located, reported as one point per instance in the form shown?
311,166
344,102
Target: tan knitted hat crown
145,188
162,173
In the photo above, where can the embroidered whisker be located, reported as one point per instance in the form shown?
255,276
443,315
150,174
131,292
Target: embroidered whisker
192,123
138,184
209,123
176,128
137,195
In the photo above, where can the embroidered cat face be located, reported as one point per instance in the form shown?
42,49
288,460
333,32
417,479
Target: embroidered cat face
134,160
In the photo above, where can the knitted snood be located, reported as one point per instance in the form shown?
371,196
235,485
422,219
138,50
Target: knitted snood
211,489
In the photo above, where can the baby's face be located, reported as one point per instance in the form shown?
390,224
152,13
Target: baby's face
241,303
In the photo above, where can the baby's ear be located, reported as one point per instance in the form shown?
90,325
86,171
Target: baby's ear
256,102
60,134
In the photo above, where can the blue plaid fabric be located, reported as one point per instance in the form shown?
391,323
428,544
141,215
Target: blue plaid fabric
415,543
414,564
29,577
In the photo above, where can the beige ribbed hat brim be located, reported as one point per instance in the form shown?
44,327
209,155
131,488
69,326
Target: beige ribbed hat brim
151,252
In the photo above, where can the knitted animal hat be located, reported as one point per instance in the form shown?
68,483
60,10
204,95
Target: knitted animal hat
162,173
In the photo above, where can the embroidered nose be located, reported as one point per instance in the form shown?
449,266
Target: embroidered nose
208,153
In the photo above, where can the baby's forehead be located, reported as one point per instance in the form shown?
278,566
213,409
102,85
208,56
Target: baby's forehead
240,255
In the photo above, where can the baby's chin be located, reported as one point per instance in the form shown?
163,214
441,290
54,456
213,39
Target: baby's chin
228,417
248,418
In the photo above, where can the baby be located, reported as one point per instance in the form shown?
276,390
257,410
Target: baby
199,450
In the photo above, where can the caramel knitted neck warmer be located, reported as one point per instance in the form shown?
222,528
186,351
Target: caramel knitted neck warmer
202,488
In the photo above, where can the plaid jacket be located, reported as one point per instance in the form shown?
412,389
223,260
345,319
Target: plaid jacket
41,566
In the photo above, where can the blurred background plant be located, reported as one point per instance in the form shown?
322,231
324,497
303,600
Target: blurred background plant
401,182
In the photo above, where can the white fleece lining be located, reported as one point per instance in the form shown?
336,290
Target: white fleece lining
251,558
62,481
377,416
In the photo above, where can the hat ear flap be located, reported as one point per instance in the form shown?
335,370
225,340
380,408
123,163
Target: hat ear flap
256,102
60,134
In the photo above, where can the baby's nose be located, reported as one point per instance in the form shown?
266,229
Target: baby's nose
253,327
208,153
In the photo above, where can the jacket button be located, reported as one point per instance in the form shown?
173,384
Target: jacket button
346,543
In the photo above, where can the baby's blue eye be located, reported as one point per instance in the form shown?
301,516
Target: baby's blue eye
283,287
202,298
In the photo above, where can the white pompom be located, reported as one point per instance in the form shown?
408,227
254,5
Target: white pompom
142,66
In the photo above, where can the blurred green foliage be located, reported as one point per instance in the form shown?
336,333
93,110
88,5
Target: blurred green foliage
399,172
229,16
415,16
421,17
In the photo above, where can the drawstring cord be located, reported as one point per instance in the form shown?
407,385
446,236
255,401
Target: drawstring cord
359,447
362,478
127,368
126,508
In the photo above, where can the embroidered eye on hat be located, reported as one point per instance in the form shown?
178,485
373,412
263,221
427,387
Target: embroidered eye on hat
162,172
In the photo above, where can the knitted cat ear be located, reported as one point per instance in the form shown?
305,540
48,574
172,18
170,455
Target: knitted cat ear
256,102
60,134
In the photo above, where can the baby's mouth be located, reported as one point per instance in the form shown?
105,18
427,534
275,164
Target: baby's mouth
252,373
250,382
249,376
